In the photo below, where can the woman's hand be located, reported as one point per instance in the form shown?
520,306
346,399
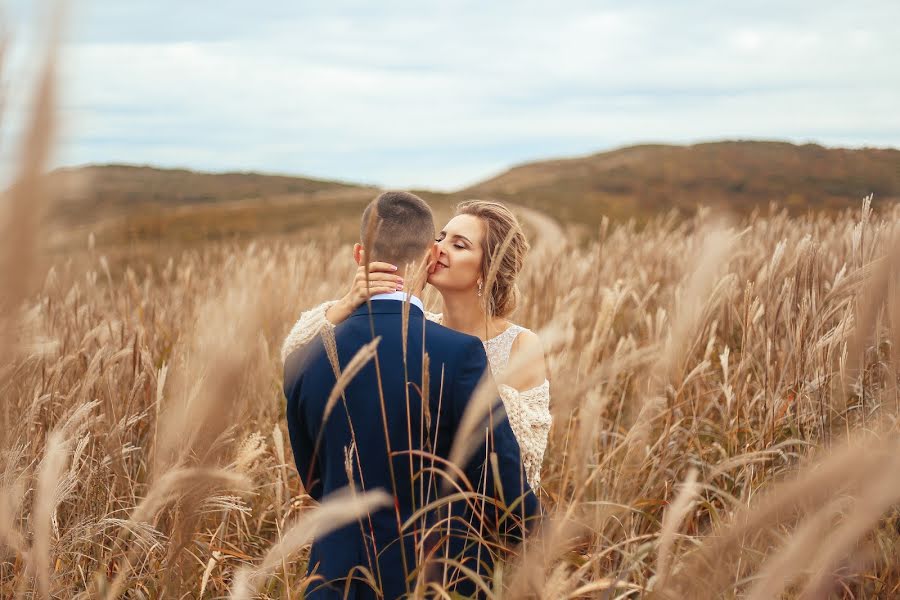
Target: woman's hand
382,280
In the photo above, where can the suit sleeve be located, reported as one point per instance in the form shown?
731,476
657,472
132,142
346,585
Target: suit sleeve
498,438
302,444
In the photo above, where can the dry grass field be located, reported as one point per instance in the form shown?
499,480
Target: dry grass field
696,369
724,396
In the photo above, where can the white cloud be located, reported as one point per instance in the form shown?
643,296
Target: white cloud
408,94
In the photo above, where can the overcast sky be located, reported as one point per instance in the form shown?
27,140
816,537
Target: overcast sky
440,95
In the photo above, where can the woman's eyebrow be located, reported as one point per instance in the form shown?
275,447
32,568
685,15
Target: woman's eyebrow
456,235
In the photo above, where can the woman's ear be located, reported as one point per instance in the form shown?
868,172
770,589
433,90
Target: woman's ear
359,253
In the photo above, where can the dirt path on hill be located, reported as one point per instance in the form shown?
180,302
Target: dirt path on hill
550,235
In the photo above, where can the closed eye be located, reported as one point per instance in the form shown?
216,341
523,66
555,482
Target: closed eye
459,244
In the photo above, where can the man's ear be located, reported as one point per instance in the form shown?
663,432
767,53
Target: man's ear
359,253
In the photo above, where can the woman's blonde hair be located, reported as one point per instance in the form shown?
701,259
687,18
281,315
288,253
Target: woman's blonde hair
501,229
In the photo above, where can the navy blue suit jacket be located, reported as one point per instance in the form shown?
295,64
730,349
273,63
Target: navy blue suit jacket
456,364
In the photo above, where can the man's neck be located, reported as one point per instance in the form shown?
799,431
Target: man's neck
414,297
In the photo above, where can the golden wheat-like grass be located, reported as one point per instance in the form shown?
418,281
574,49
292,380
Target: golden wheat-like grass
741,376
725,402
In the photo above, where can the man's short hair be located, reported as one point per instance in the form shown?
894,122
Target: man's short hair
402,228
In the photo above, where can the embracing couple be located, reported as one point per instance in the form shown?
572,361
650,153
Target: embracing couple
397,419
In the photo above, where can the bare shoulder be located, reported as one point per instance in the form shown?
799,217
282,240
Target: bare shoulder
527,339
529,345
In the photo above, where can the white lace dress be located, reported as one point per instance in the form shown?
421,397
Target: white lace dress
528,410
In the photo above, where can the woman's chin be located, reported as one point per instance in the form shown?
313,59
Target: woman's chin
437,280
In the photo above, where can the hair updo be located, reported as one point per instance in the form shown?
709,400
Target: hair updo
499,223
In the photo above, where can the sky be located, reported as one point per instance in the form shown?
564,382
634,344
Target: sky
414,94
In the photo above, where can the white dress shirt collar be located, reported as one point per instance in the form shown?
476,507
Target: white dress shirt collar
401,296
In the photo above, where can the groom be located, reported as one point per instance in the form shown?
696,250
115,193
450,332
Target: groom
393,429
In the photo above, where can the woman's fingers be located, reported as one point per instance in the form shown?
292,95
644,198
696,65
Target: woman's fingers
378,283
379,278
381,266
363,296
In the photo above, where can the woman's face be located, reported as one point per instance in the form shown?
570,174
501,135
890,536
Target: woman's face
458,267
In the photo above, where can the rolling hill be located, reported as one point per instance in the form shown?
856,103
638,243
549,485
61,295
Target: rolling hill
144,211
124,204
639,181
86,193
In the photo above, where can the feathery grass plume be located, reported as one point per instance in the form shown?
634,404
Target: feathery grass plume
793,559
872,300
362,357
672,519
53,485
693,302
198,422
282,485
49,474
12,495
846,471
876,496
753,390
337,510
22,205
168,489
541,554
249,452
207,393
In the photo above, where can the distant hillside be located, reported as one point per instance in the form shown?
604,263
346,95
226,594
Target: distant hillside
128,205
154,210
100,191
642,180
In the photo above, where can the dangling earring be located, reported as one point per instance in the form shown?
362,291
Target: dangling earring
479,288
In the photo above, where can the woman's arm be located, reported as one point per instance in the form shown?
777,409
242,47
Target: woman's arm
530,419
381,279
526,396
307,327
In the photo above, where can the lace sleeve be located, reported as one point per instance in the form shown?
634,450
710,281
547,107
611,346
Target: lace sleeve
310,323
529,417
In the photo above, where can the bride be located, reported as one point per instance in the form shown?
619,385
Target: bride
466,245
